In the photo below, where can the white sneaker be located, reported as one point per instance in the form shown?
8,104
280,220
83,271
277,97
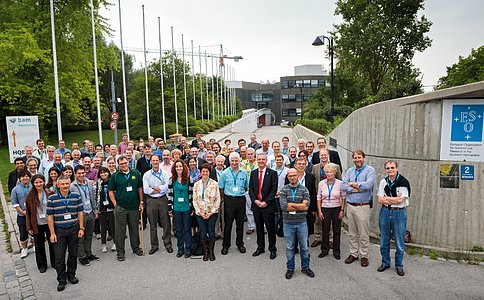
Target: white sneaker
113,248
24,253
104,250
33,249
98,236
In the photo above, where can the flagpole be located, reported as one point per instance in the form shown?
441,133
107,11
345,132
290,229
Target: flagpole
56,76
213,94
218,96
96,79
146,76
123,72
161,80
185,85
206,86
193,84
200,74
174,78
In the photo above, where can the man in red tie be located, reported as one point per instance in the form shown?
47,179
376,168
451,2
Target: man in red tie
262,192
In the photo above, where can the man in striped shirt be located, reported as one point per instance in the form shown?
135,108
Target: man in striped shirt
64,211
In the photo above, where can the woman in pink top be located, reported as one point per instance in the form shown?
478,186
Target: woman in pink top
331,205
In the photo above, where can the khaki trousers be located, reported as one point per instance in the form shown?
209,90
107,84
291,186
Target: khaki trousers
359,230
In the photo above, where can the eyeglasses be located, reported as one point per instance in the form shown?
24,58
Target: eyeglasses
390,168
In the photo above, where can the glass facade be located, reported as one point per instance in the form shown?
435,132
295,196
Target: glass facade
306,83
262,97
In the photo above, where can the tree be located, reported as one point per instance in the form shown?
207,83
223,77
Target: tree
467,70
376,42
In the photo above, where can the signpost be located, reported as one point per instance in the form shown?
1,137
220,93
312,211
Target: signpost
113,125
21,131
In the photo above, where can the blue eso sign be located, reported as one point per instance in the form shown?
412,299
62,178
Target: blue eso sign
467,123
466,172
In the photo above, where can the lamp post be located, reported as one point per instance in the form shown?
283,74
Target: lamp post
319,41
302,98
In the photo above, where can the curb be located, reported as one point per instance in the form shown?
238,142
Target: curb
8,212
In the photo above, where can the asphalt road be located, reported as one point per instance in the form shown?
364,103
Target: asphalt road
241,276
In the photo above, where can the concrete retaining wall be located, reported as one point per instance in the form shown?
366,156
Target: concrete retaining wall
246,124
408,130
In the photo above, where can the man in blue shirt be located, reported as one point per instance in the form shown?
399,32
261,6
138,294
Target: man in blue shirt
358,184
233,183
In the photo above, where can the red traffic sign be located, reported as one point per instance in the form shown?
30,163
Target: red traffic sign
114,116
113,125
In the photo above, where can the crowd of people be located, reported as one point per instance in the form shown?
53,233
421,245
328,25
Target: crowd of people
196,191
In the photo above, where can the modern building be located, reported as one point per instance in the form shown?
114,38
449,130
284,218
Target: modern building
284,98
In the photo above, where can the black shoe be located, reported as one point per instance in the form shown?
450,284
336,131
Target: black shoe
61,286
273,255
169,249
42,269
152,251
382,268
178,254
187,255
308,272
296,250
289,274
138,252
121,258
322,254
225,250
73,280
256,253
337,257
242,249
400,272
84,262
92,257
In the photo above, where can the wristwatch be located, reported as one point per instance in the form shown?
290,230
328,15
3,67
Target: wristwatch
81,228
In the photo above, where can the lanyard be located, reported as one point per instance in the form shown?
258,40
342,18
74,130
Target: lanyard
279,173
294,192
234,176
57,167
390,185
203,188
179,186
219,173
158,176
84,189
302,181
65,200
357,173
105,191
25,189
330,189
148,162
42,199
193,174
127,178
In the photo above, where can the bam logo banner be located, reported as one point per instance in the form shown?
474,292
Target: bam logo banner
21,131
462,130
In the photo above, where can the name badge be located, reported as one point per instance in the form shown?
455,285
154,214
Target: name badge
292,212
235,189
106,202
67,217
181,199
129,188
41,216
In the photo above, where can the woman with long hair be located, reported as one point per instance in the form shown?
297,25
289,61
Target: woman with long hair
180,192
51,185
105,206
206,202
111,164
36,209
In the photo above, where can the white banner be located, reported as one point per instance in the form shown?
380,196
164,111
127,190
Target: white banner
21,131
462,130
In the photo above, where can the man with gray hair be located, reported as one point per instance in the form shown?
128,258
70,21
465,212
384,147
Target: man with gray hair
233,183
28,155
76,156
47,162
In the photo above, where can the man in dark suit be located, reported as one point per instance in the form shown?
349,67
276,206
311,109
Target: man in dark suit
262,192
200,161
333,155
309,181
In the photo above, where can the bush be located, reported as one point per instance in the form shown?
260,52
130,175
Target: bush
204,128
211,126
192,130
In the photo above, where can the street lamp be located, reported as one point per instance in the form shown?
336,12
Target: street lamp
319,41
302,98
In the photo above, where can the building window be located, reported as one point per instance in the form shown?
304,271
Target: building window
321,82
314,83
285,84
261,97
288,98
306,83
291,112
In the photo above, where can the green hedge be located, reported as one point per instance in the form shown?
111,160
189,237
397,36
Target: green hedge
320,125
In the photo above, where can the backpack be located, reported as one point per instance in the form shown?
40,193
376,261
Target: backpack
196,248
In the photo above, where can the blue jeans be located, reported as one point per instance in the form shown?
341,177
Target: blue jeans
392,222
207,227
183,223
293,232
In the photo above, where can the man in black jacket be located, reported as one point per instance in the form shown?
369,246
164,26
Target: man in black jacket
262,192
13,176
333,155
